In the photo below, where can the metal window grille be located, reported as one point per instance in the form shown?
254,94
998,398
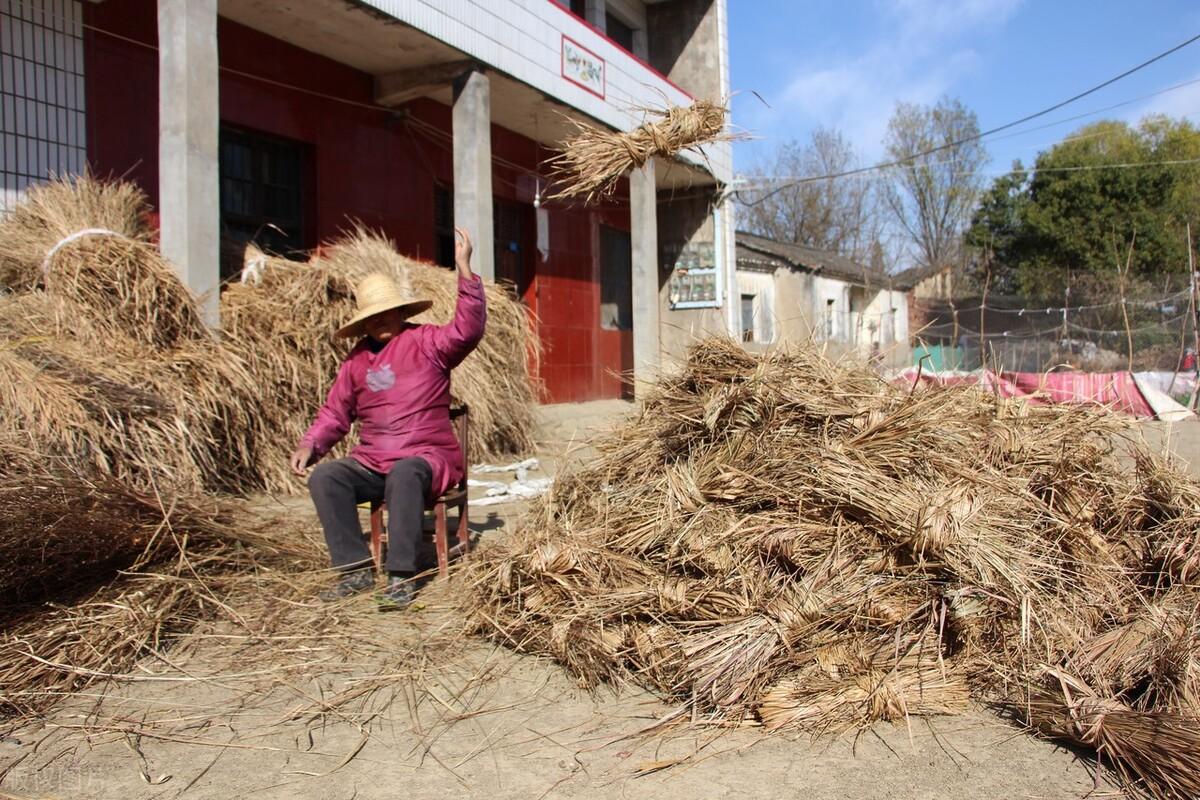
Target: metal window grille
262,192
42,106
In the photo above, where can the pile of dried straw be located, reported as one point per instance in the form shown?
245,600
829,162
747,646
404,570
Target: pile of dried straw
105,362
784,541
593,159
107,366
283,319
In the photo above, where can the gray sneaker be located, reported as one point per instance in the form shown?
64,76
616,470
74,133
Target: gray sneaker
355,582
398,595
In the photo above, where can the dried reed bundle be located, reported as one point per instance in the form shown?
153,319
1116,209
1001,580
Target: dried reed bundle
108,364
65,534
823,700
791,540
283,324
50,212
592,159
1154,752
181,419
86,240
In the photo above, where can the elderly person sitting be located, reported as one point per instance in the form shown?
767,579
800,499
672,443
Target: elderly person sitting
396,383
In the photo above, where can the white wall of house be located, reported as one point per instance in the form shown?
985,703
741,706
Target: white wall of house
831,309
883,321
525,40
761,287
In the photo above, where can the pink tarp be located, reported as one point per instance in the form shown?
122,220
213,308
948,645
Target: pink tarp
1116,390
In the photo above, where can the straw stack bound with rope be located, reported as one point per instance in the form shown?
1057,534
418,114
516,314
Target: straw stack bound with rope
108,365
788,542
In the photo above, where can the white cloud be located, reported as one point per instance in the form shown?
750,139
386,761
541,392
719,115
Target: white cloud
1181,102
918,56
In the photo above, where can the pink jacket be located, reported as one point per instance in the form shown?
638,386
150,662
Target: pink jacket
401,395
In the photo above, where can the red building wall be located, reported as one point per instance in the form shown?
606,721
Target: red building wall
367,164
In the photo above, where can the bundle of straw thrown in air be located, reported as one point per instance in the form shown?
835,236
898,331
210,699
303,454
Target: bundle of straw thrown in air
785,541
283,320
592,159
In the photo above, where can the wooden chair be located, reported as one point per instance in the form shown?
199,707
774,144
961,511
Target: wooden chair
454,498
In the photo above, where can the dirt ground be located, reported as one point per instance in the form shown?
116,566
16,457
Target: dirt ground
472,720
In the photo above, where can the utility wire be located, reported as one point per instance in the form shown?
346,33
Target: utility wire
978,136
1178,162
752,182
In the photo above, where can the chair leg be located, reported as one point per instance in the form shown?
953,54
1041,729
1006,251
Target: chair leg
377,534
440,539
464,531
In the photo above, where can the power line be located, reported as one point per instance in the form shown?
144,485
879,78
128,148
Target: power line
1026,171
1093,112
750,183
1075,138
989,132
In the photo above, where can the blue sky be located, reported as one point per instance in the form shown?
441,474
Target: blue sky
845,63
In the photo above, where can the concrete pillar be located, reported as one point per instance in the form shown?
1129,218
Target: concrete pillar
643,226
472,129
596,13
188,140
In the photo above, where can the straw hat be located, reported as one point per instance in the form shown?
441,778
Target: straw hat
377,293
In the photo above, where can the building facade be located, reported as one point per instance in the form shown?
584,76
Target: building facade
286,123
791,293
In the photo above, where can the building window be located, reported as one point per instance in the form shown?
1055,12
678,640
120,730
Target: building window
511,225
829,319
443,225
618,31
747,318
262,192
616,288
42,115
579,8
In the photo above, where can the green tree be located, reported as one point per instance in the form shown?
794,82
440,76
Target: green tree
1076,216
995,235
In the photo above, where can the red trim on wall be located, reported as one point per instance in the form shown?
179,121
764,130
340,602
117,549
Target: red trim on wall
562,67
617,45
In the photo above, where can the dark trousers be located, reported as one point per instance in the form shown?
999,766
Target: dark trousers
337,487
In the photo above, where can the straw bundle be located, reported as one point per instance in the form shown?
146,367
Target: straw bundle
593,159
791,541
283,324
108,365
180,419
85,240
1152,752
65,534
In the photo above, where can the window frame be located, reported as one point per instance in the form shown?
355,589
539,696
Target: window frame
293,232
